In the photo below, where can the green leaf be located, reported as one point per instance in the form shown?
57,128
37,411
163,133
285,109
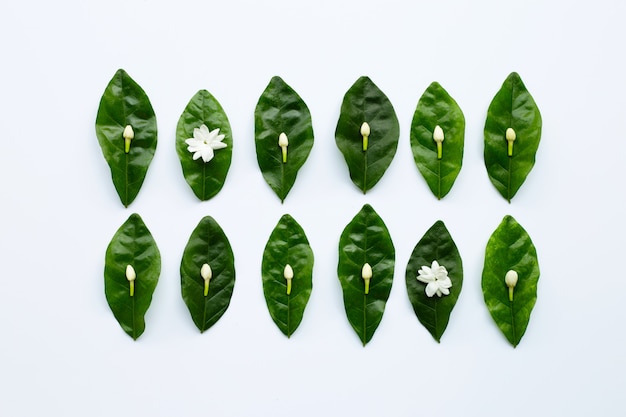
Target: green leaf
131,245
281,110
207,245
364,102
287,245
437,108
365,240
125,103
510,248
512,107
436,245
206,179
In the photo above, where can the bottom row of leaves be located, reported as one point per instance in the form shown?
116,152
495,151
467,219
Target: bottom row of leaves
434,275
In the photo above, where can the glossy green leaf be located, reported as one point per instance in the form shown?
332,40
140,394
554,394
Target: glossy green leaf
206,179
131,245
510,248
365,102
436,245
437,108
125,103
512,107
365,240
287,245
281,110
207,245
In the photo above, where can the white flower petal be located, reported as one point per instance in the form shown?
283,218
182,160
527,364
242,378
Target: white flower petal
431,289
218,145
445,283
444,290
207,154
197,155
435,265
426,278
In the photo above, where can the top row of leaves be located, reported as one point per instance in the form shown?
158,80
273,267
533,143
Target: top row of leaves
367,134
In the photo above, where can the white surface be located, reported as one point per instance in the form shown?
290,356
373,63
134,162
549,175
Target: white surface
63,354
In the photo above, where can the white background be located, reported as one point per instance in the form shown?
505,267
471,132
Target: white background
61,351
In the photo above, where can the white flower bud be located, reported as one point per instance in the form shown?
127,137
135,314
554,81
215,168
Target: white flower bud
283,140
365,129
205,272
128,132
288,272
366,274
128,135
511,279
130,273
438,138
510,138
438,134
510,134
365,132
131,276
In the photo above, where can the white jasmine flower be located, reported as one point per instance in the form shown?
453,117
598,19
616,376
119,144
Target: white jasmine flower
204,142
436,276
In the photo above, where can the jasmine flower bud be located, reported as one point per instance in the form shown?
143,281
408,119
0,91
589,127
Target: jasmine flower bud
438,138
128,135
283,142
365,132
510,138
131,276
288,274
510,279
206,273
366,274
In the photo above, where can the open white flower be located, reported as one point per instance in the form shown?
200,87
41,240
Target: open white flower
204,142
437,279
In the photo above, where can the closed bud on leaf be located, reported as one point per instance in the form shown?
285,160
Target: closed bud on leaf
510,279
366,274
365,129
365,132
283,142
206,273
438,138
130,273
438,134
128,135
131,276
288,274
510,134
510,138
